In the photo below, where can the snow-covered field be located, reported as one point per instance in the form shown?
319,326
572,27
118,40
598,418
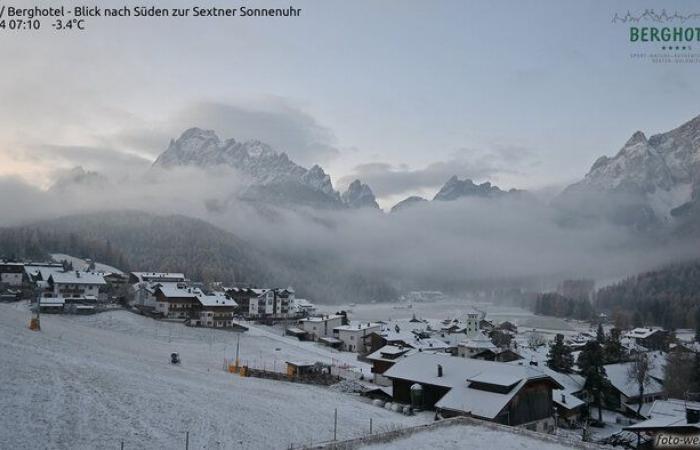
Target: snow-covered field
87,382
473,437
81,264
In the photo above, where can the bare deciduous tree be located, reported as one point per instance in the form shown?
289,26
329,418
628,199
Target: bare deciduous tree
639,372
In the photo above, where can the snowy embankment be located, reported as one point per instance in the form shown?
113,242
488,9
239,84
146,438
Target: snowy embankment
461,433
95,381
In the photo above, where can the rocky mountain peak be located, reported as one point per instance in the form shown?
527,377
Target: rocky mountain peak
274,176
654,176
359,195
455,188
637,138
408,202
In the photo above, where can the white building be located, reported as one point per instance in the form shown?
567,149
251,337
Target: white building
144,285
76,285
353,335
321,326
271,303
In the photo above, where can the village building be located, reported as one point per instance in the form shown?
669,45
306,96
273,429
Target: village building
303,308
74,291
649,338
503,393
214,310
269,303
479,347
384,358
173,302
76,285
319,327
624,395
145,284
156,277
353,337
668,417
11,274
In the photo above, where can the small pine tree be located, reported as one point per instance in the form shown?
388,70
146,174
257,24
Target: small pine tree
600,334
590,363
560,357
613,351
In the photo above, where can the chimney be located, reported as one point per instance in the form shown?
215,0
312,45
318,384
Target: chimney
439,370
692,415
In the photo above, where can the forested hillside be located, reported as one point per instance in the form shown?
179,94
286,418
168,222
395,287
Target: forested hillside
133,240
668,297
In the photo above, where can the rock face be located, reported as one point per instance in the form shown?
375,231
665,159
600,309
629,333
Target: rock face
408,203
359,195
275,177
456,188
646,183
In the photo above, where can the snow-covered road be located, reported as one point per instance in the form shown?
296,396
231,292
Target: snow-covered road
94,381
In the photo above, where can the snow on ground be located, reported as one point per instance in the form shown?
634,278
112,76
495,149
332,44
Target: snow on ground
87,382
81,264
474,437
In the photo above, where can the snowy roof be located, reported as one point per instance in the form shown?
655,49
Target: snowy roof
52,301
357,326
566,399
667,414
464,396
303,303
412,340
155,276
171,291
479,341
77,278
321,318
390,353
641,333
216,299
620,379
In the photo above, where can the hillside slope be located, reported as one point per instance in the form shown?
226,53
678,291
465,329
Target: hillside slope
87,382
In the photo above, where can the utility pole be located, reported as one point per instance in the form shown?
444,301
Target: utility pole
187,441
335,425
238,349
34,323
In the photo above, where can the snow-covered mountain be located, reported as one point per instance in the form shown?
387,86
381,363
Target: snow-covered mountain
407,203
456,188
646,181
359,195
275,177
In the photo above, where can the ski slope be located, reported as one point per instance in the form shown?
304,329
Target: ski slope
88,382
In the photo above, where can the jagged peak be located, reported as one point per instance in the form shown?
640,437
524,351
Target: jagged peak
196,132
359,195
637,137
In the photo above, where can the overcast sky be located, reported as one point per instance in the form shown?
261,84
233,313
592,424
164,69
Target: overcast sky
403,94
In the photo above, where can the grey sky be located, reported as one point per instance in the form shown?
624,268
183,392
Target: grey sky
392,91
